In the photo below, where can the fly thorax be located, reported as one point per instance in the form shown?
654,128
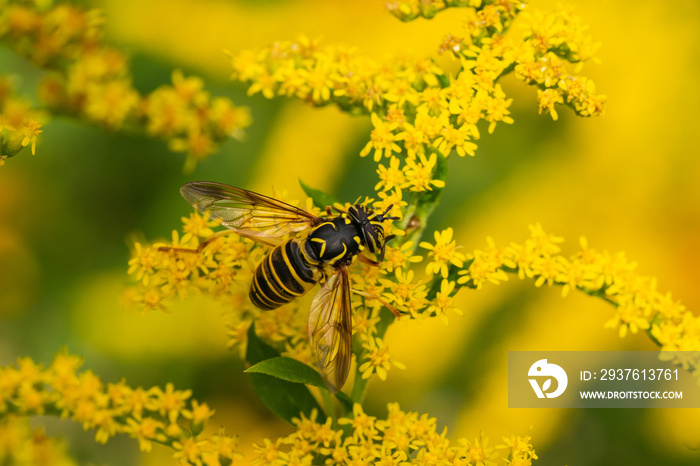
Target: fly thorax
333,241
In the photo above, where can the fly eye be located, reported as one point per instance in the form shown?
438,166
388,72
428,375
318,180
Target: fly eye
374,237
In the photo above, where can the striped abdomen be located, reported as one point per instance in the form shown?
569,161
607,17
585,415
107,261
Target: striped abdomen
282,276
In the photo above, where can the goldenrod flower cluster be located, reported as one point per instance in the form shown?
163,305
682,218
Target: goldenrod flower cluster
92,81
219,268
408,11
167,416
417,108
404,437
224,269
609,276
22,445
19,126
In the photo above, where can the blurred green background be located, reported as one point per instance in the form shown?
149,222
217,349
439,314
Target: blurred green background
627,181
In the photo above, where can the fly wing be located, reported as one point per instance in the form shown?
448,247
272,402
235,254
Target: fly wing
248,213
330,330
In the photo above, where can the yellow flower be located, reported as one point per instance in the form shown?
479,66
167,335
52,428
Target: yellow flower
145,431
391,177
547,99
225,446
378,359
318,80
478,452
188,89
382,139
433,100
365,439
64,368
23,444
153,298
414,140
29,132
92,81
520,447
444,300
400,257
496,108
106,424
486,266
546,269
170,402
427,125
31,400
627,318
200,412
18,122
362,424
419,173
110,103
188,450
455,138
443,252
228,119
268,453
405,292
400,91
197,225
112,409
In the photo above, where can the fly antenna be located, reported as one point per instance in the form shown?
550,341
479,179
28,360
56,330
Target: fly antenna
384,217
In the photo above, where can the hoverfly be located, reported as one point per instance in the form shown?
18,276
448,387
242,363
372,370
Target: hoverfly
296,265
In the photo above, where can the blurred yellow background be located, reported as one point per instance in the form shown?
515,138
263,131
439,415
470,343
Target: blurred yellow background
627,181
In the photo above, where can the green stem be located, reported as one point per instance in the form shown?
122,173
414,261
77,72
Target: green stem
360,386
328,405
597,294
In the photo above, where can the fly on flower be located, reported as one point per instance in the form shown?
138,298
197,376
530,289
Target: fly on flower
296,265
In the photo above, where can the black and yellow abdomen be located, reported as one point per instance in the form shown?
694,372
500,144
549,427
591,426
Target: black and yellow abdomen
282,276
291,269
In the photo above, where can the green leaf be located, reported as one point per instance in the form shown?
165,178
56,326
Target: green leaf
345,401
257,350
321,199
443,80
286,399
656,320
288,369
